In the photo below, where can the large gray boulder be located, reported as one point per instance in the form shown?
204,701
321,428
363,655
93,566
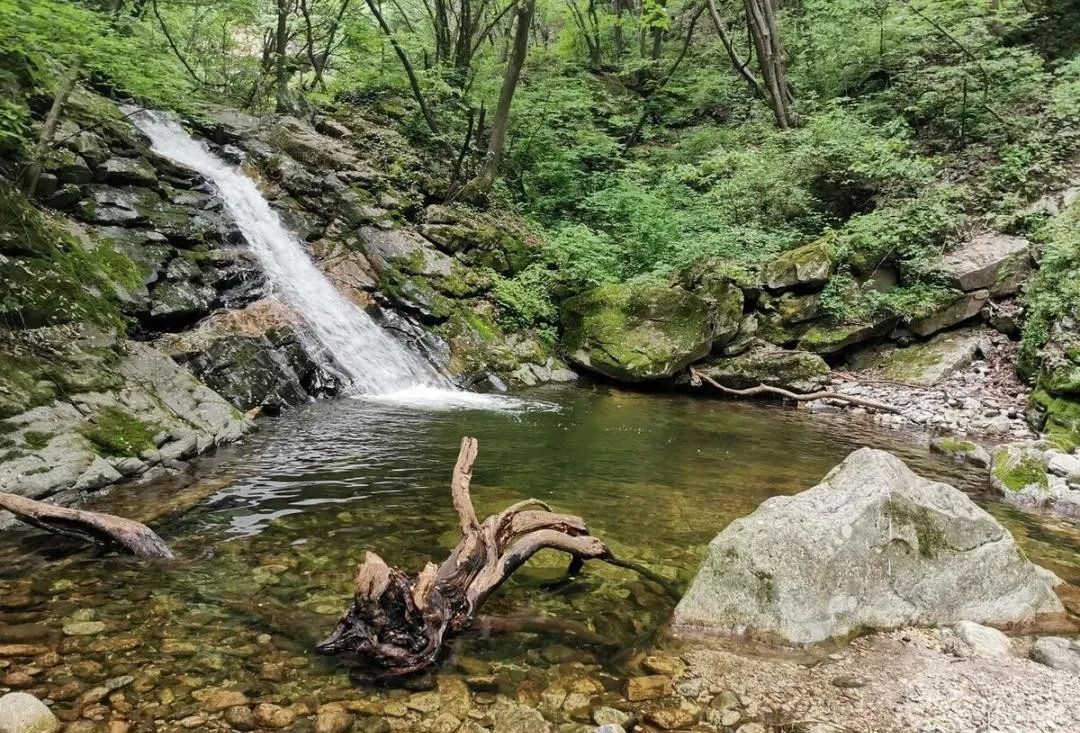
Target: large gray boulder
957,310
23,713
995,262
873,546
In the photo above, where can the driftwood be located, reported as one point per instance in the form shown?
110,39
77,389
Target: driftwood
101,529
396,624
696,378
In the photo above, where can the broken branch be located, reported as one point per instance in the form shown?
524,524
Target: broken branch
696,378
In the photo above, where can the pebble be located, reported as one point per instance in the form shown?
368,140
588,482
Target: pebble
337,721
273,716
241,718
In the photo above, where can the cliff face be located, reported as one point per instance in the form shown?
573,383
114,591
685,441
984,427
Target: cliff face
136,327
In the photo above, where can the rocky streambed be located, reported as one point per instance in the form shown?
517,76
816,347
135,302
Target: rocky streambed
223,641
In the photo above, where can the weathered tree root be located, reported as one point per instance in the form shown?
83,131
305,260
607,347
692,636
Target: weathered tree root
396,624
696,378
101,529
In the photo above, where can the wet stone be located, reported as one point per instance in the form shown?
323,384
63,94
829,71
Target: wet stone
214,701
273,716
333,721
84,628
664,664
241,718
647,688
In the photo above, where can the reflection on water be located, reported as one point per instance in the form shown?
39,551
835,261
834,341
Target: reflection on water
281,521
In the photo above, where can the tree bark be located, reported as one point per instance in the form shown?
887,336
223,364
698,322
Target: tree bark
101,529
484,180
696,378
396,624
281,42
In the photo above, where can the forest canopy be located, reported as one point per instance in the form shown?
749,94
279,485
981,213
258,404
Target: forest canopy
637,138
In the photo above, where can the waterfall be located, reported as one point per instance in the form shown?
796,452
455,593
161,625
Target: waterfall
372,361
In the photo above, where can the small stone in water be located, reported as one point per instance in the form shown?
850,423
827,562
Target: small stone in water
214,700
241,718
333,721
730,717
424,702
610,716
647,688
848,681
273,716
663,664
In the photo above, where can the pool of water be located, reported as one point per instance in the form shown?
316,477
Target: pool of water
278,523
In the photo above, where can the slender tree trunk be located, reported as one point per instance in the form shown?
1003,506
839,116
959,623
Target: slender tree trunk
52,120
741,67
617,29
414,83
501,123
761,21
281,39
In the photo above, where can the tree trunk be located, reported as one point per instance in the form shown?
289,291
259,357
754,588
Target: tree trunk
281,40
396,624
761,21
482,183
48,130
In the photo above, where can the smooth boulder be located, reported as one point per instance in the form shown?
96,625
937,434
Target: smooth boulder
24,713
995,262
873,546
636,333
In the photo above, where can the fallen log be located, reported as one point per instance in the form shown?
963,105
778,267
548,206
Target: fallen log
100,529
396,624
696,378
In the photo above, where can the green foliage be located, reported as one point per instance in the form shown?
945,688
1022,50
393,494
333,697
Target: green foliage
1054,292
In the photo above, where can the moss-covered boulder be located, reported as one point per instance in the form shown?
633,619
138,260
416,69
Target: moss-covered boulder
1018,472
1060,373
924,363
1058,417
798,371
828,338
805,267
720,284
636,333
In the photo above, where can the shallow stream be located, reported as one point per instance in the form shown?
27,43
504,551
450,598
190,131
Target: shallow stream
278,523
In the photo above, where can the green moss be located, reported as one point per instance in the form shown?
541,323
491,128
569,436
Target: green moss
11,455
1018,472
36,440
931,537
955,446
116,432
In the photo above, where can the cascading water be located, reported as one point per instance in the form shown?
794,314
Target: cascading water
373,362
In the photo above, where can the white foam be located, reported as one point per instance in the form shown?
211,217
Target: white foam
423,397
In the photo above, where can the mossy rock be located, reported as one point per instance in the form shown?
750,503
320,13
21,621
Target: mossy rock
831,338
805,267
961,450
636,333
1018,468
764,364
1057,417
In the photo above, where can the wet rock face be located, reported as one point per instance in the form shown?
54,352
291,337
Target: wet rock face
257,372
636,333
874,546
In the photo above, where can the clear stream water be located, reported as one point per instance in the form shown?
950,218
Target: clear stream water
278,523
